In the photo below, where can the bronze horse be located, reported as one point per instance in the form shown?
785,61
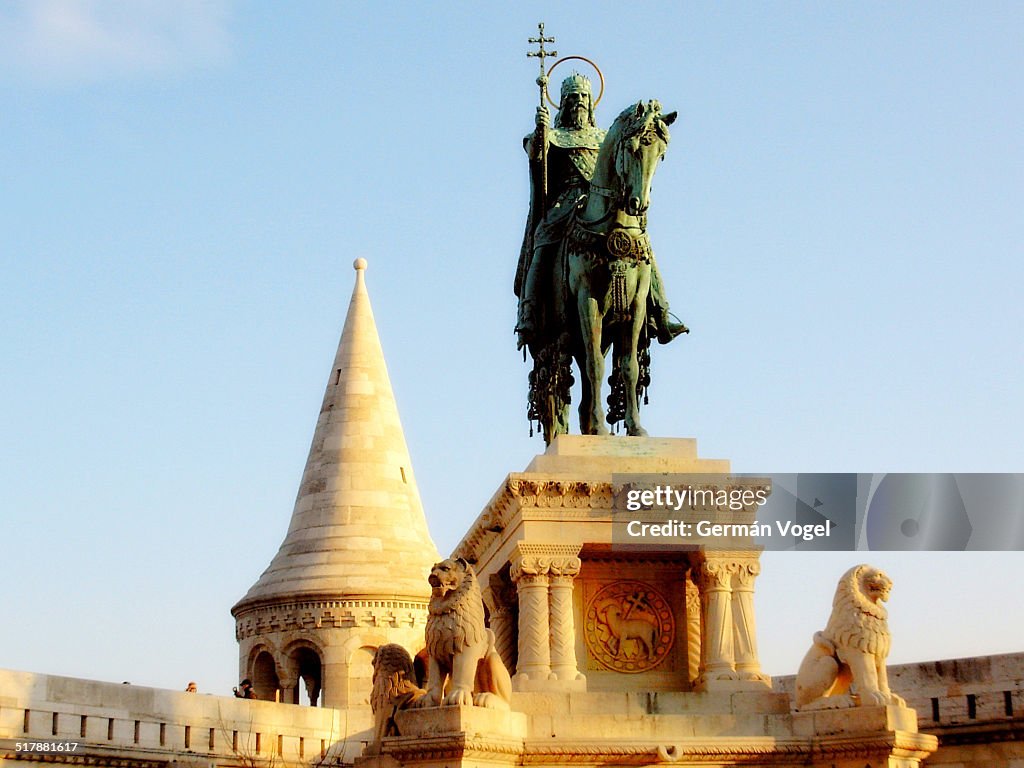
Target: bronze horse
607,263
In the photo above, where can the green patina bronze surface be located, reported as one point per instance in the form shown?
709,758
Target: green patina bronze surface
587,279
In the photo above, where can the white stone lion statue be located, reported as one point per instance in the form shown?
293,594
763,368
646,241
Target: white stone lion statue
845,665
463,669
394,688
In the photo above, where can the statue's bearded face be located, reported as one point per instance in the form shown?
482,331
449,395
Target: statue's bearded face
576,109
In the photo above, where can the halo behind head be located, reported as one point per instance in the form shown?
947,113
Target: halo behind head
578,77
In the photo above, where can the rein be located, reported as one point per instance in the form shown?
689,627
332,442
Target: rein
586,226
617,198
615,207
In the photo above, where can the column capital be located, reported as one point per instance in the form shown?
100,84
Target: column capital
545,559
717,569
746,571
713,573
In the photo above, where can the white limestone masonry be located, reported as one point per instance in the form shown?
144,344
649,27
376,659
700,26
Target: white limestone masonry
351,572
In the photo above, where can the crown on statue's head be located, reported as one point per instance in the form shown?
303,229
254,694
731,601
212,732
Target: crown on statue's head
576,83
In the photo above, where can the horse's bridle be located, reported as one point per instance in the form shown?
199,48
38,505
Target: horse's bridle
612,209
618,197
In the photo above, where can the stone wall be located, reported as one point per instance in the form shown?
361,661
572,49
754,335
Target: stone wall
975,706
134,725
979,704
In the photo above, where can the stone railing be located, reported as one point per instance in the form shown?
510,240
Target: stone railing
975,706
139,725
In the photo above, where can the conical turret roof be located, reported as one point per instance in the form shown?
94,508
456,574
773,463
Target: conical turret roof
358,528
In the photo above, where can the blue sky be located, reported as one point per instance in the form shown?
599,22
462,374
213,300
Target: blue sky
185,186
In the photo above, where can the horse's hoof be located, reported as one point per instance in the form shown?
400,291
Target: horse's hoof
637,432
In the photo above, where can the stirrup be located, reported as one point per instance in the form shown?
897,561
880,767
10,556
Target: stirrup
667,330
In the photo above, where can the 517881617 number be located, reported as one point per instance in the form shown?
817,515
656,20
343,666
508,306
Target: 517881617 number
49,747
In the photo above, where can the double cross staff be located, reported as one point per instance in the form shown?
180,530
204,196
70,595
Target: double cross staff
540,53
542,81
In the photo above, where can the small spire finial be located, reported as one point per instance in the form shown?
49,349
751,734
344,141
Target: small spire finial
359,264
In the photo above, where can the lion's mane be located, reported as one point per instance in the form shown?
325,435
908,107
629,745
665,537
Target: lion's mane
456,619
857,621
392,665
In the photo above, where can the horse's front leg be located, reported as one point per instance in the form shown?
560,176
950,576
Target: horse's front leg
591,411
586,391
629,358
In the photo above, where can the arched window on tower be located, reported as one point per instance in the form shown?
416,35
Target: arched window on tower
264,677
306,661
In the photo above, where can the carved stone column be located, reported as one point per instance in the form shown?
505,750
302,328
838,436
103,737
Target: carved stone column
531,580
543,575
729,640
717,655
499,596
693,630
563,629
289,690
748,666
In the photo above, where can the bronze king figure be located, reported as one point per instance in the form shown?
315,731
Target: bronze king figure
587,279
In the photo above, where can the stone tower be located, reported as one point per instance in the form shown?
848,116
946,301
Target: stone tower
351,573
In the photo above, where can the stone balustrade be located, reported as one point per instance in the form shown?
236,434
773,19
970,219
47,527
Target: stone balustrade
109,721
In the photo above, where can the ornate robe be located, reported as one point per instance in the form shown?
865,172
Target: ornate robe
572,155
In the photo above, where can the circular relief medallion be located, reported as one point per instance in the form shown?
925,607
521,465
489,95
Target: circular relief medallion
629,627
620,244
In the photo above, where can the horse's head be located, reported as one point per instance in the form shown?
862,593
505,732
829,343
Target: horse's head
642,138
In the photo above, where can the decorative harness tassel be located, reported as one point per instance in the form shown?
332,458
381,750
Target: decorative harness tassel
620,248
617,291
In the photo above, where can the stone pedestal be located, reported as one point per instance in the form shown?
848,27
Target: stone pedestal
593,611
626,654
452,737
865,737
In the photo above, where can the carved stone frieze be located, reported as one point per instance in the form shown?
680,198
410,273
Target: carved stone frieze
551,494
911,747
522,492
556,493
67,758
451,746
340,614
